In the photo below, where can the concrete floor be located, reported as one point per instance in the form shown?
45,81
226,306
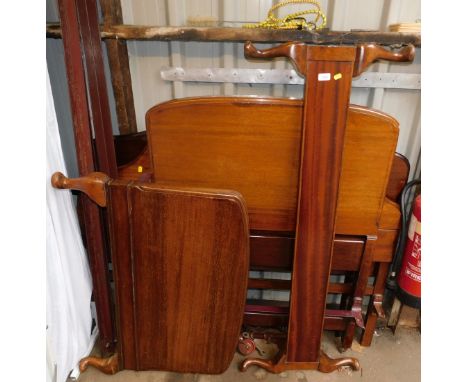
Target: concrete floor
391,358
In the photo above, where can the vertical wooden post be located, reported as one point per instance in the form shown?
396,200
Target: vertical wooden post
329,71
95,243
98,98
120,70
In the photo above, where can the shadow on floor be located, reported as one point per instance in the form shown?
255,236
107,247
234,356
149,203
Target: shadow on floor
391,358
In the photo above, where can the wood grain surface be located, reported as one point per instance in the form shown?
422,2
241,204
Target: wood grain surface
168,33
249,145
181,266
117,54
92,217
323,132
398,177
252,145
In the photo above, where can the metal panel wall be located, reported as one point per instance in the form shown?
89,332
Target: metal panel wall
147,58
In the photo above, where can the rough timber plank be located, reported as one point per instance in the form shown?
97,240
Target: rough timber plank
145,32
120,70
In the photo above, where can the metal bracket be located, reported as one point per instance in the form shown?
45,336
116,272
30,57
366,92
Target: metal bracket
355,312
285,77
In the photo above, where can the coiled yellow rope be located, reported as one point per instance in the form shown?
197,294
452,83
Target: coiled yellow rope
293,20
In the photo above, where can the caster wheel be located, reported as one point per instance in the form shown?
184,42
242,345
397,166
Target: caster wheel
246,346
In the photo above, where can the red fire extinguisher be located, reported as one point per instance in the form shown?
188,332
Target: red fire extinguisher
409,277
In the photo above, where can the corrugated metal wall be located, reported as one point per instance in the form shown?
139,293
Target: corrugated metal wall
147,58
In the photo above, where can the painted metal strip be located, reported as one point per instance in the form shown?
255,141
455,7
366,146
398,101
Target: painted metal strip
285,77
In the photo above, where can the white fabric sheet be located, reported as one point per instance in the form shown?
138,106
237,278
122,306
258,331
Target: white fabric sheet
68,284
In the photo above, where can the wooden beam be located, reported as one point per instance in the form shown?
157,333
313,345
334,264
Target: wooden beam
98,98
120,69
95,244
323,129
156,33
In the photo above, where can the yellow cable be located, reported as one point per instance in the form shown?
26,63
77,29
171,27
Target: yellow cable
293,20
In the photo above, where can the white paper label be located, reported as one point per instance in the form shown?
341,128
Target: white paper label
324,76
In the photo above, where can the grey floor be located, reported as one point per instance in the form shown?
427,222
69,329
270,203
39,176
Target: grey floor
391,358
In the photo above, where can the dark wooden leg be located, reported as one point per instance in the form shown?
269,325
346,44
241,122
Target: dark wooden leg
108,365
371,322
348,336
372,315
345,304
365,270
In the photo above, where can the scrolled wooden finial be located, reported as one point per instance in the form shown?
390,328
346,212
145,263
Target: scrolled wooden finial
93,185
366,54
295,51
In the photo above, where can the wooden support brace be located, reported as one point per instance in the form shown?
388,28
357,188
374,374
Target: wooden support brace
94,232
120,70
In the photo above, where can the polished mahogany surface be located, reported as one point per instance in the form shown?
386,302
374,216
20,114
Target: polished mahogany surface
252,145
180,260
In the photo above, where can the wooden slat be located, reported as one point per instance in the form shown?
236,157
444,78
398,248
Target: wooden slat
324,123
269,305
269,284
271,252
98,98
276,284
335,323
347,288
120,243
265,319
119,69
157,33
83,141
